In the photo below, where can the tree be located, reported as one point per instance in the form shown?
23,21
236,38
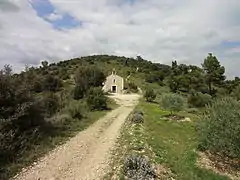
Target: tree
44,64
150,95
86,77
96,99
199,99
79,92
21,118
156,76
50,103
173,80
219,128
52,83
214,72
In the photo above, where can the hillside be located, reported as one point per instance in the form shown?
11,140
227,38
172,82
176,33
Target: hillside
42,107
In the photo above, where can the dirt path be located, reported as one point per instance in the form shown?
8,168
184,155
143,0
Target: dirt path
86,156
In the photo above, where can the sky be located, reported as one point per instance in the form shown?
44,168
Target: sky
157,30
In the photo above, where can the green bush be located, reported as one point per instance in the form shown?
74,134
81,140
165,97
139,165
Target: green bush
50,103
219,129
96,99
132,87
78,92
77,110
150,95
199,100
52,83
172,102
236,93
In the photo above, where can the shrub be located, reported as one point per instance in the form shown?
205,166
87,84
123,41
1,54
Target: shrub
236,93
96,99
150,95
77,110
156,77
193,110
52,83
50,103
78,92
60,119
199,100
137,117
172,102
132,87
21,117
138,168
219,129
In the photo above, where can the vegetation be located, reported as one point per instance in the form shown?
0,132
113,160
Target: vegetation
236,92
85,78
150,95
139,168
174,144
199,100
96,99
172,102
219,129
136,117
131,87
40,106
214,72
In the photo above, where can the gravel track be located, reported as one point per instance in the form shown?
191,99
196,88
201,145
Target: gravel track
85,156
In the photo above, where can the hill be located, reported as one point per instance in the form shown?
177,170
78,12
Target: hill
44,106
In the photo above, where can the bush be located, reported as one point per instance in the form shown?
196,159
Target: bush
77,110
52,83
96,99
139,168
50,103
132,87
172,102
21,117
150,95
78,92
219,129
60,119
236,93
199,100
137,117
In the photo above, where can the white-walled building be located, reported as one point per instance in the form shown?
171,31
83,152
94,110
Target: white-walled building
114,83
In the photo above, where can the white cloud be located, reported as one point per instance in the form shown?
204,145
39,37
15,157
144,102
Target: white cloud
158,30
54,16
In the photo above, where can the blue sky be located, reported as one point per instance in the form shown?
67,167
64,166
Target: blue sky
160,31
45,9
231,44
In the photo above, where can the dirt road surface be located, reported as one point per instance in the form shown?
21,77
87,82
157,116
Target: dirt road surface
85,156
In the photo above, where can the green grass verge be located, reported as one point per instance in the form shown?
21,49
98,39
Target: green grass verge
174,144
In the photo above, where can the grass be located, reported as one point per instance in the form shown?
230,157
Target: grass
174,144
47,143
